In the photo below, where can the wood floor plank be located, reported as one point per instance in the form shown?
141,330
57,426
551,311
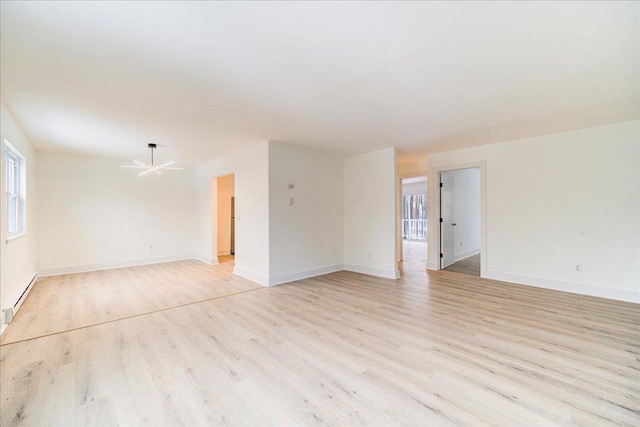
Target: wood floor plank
469,265
71,301
341,349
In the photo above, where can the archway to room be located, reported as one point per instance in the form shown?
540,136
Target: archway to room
413,223
225,218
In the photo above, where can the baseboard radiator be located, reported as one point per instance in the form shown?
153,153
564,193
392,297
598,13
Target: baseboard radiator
11,311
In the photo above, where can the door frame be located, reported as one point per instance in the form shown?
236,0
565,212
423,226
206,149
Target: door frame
214,214
433,260
441,250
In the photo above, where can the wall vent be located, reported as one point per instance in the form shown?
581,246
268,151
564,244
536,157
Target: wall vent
10,312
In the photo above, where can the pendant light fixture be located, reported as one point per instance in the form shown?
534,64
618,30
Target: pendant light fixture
151,167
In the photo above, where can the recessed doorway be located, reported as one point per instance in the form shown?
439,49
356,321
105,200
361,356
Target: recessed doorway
225,186
460,221
414,223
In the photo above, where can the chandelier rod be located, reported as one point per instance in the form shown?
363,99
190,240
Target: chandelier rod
152,146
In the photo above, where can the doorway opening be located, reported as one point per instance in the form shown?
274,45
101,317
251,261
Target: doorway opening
226,230
460,221
414,223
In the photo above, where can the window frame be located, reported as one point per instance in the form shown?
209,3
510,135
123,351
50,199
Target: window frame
15,192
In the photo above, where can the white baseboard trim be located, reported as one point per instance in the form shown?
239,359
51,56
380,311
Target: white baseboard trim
291,277
17,299
224,252
110,265
249,275
208,261
575,288
466,254
387,274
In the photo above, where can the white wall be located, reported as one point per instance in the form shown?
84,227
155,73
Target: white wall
466,212
414,188
225,191
306,238
251,173
94,215
18,257
416,167
370,213
556,201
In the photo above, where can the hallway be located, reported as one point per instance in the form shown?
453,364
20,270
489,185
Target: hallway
414,257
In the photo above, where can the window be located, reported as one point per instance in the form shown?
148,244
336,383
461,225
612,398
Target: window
414,217
16,191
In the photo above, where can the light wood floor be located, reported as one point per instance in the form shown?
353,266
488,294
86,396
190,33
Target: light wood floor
414,257
470,266
72,301
342,349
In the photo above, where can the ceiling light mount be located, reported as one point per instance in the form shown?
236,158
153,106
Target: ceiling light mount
151,167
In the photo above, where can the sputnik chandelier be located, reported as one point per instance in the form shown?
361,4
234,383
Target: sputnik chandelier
151,167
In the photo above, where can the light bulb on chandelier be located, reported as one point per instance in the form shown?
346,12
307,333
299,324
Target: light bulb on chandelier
151,167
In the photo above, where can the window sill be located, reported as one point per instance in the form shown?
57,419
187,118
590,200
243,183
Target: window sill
16,237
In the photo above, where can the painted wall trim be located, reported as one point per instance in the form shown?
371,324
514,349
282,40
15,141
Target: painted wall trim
249,275
575,288
466,254
291,277
13,301
206,260
387,274
110,265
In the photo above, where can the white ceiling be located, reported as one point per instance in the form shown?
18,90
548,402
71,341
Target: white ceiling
207,79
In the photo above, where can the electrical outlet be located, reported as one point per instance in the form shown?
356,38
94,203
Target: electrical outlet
579,268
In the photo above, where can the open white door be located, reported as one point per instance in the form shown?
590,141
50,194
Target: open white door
447,220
